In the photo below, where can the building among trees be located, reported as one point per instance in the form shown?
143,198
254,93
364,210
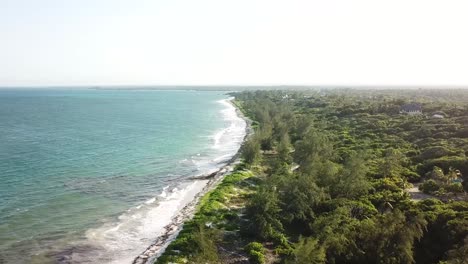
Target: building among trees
411,109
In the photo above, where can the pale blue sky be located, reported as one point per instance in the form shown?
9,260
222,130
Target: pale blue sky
238,42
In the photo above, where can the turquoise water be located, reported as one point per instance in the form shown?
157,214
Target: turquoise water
74,163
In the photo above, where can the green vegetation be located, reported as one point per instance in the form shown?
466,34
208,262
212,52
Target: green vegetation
198,241
256,252
327,179
441,184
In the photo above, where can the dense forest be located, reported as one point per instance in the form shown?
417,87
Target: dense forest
340,176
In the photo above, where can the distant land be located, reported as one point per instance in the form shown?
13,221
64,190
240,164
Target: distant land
241,87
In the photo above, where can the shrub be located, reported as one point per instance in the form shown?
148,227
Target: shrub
411,175
459,162
255,246
256,257
440,192
280,239
454,187
435,152
429,186
284,251
256,252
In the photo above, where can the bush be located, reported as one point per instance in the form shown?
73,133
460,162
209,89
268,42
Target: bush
256,257
459,162
454,187
280,239
284,251
435,152
255,246
440,192
411,175
429,186
256,252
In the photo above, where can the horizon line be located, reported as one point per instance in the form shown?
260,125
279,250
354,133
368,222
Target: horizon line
92,86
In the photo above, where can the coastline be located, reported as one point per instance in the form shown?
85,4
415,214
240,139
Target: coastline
171,230
121,181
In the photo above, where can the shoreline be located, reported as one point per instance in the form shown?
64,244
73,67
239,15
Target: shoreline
171,230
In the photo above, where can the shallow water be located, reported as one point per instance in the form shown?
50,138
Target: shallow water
91,176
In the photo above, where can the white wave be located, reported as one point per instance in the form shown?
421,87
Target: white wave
150,201
121,242
230,137
217,138
226,141
221,158
163,194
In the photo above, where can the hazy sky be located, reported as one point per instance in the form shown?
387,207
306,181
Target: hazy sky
239,42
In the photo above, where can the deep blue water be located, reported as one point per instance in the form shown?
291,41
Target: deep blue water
74,160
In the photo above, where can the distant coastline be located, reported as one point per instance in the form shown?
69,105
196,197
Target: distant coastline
227,87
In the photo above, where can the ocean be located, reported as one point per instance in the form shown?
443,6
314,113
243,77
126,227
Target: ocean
93,176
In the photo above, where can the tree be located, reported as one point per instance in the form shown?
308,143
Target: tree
308,251
389,239
303,125
284,148
205,243
465,181
392,163
336,231
251,151
459,255
299,197
265,136
314,146
352,182
446,229
263,211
